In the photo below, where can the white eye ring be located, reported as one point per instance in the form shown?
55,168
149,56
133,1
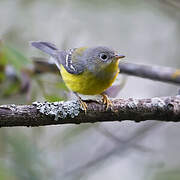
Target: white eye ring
103,56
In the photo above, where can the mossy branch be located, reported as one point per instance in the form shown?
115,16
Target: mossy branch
70,112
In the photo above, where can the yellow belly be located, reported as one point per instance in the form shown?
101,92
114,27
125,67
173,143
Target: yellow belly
89,84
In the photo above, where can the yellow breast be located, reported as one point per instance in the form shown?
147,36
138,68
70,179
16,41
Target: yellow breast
87,83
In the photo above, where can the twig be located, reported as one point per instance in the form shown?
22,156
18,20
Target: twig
157,73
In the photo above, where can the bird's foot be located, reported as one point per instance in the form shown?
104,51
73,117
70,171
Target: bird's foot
106,101
83,105
81,102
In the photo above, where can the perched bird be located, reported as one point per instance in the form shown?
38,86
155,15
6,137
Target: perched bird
87,71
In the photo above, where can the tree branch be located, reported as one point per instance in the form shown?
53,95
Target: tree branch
157,73
70,112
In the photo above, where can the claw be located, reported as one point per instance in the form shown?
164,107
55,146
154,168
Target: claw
106,101
83,105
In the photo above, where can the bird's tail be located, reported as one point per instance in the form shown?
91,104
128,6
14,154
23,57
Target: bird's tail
50,49
46,47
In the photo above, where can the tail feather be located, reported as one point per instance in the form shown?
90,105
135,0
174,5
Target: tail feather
46,47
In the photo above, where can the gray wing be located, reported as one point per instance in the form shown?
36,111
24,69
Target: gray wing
65,57
60,57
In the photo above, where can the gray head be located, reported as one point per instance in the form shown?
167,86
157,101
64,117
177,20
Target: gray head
100,57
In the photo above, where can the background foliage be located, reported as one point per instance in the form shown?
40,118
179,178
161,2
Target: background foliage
145,31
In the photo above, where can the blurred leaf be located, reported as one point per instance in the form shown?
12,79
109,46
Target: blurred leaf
2,75
12,88
61,85
2,64
14,57
168,175
5,174
53,98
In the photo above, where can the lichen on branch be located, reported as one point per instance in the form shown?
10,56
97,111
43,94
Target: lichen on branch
70,112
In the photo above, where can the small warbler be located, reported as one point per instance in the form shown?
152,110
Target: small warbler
87,71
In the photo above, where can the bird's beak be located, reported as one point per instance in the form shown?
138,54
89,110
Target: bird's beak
118,56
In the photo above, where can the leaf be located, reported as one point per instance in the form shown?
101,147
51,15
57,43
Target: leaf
52,98
14,57
2,76
171,174
12,88
61,85
5,174
2,64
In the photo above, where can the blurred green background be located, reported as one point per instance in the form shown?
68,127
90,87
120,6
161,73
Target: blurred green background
146,31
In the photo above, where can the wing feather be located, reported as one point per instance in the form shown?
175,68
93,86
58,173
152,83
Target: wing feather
60,57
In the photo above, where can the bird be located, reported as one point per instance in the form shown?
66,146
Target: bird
85,70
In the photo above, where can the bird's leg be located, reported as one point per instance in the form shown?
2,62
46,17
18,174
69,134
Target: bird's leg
82,103
106,100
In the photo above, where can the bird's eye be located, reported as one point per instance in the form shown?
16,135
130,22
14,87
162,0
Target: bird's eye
103,56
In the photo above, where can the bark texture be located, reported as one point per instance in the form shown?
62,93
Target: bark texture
70,112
